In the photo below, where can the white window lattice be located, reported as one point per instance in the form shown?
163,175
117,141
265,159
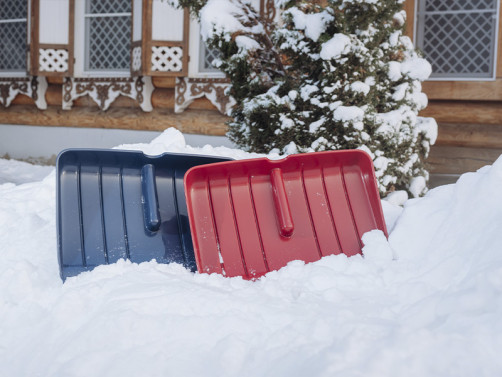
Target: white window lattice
53,60
167,59
108,35
108,6
13,15
458,37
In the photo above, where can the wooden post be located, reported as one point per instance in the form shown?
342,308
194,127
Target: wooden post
409,8
34,37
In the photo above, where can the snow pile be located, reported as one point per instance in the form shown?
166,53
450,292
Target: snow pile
172,140
427,302
19,172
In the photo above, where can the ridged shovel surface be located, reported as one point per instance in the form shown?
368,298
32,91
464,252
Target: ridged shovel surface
114,204
249,217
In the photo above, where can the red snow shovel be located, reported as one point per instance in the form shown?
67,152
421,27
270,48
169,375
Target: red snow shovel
250,217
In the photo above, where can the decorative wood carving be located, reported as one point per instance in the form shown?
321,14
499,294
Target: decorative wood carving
33,87
105,90
136,59
215,90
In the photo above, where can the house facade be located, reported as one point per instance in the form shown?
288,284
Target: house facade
141,64
134,64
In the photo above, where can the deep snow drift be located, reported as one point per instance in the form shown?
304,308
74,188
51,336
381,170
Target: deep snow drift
427,302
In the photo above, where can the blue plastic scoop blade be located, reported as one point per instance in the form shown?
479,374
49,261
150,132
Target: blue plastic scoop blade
114,204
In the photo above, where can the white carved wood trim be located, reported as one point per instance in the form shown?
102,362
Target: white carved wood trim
53,60
104,91
215,90
167,59
33,87
136,59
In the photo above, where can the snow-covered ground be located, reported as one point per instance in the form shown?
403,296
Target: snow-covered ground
427,302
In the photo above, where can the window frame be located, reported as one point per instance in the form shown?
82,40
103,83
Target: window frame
419,18
81,42
203,50
196,56
24,71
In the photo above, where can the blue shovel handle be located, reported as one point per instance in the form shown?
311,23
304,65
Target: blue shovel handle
150,200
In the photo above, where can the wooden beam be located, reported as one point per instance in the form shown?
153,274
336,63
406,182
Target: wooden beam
409,8
459,160
464,90
55,80
147,37
191,121
483,112
34,36
436,179
71,38
164,82
133,45
470,135
186,40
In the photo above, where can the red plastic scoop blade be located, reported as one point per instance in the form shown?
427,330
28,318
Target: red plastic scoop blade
250,217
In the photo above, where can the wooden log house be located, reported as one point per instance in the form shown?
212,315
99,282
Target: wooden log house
141,64
463,42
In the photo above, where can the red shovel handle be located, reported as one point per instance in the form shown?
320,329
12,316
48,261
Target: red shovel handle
281,203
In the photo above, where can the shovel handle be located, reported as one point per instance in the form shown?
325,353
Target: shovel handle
281,203
150,201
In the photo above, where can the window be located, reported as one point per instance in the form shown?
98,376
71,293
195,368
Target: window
102,37
201,56
206,58
13,34
458,37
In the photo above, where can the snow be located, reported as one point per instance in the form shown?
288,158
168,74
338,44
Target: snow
19,172
397,198
286,122
429,127
350,113
400,91
417,186
400,17
425,302
246,43
313,24
314,126
335,47
226,17
417,68
395,70
360,87
307,91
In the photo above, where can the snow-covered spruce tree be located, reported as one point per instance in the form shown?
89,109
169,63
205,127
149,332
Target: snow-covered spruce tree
337,74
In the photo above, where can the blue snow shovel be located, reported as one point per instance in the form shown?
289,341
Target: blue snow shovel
114,204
